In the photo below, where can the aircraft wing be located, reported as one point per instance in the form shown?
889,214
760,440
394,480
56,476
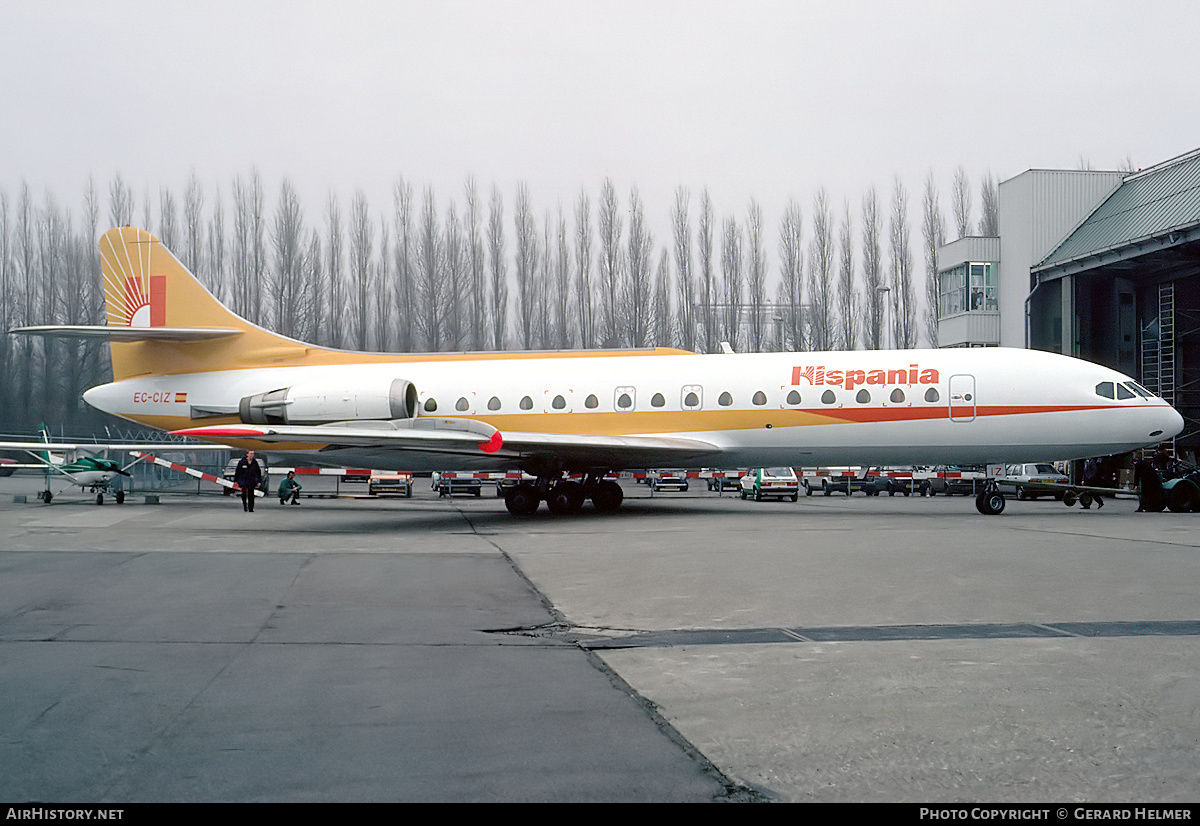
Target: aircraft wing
469,437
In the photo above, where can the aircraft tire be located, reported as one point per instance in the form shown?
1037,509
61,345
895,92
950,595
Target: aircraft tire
607,496
990,503
99,498
47,496
521,500
120,497
565,498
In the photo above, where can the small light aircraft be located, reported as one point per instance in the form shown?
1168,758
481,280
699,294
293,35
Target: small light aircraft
184,362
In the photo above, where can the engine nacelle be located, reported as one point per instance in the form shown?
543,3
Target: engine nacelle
320,403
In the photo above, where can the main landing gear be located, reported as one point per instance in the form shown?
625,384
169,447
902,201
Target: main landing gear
990,501
563,496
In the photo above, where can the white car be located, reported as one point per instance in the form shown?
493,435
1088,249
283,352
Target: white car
669,480
1025,480
762,482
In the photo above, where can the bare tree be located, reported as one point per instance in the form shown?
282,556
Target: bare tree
682,231
903,295
583,270
168,221
333,267
662,328
756,276
477,313
791,271
960,202
708,279
499,267
431,290
215,275
562,277
731,272
847,296
383,307
404,273
526,260
120,202
989,223
820,274
873,278
609,265
193,225
287,238
637,291
457,276
362,243
933,233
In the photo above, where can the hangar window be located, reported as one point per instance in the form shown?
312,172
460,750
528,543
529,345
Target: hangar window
828,397
863,397
897,396
760,398
1105,389
559,403
526,403
725,399
793,398
932,395
657,400
591,402
494,403
431,405
462,405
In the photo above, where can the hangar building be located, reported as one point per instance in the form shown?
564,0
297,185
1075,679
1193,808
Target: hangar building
1100,265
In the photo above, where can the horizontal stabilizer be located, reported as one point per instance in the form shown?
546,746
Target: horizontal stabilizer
128,334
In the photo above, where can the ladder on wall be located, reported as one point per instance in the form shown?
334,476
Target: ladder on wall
1158,347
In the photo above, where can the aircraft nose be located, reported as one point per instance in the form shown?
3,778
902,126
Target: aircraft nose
1168,424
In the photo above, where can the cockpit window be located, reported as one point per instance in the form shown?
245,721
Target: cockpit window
1124,392
1105,389
1137,388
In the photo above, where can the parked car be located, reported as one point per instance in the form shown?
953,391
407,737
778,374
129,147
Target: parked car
1020,478
966,480
390,484
668,480
6,471
724,483
770,481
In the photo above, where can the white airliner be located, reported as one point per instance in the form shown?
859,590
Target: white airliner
184,362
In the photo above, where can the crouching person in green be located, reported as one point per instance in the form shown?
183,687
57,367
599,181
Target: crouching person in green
289,488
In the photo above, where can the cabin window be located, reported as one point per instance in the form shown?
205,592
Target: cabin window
863,397
828,397
657,400
725,399
494,403
559,403
932,395
1105,389
591,402
430,405
897,396
462,405
759,398
1124,392
691,401
793,397
526,403
624,401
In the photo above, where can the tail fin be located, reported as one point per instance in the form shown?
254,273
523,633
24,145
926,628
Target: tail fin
163,320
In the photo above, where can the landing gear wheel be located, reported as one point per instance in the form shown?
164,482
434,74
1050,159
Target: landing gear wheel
565,497
990,502
99,498
521,500
47,496
120,497
607,496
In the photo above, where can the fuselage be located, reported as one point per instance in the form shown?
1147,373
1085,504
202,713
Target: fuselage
888,407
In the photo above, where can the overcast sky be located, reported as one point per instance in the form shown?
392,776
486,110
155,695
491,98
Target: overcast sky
762,99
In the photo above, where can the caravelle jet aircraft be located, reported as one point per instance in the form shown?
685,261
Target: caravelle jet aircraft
184,362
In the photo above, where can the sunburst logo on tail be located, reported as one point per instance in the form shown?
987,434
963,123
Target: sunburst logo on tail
134,297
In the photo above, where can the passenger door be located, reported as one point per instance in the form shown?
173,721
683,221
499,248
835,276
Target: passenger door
962,398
